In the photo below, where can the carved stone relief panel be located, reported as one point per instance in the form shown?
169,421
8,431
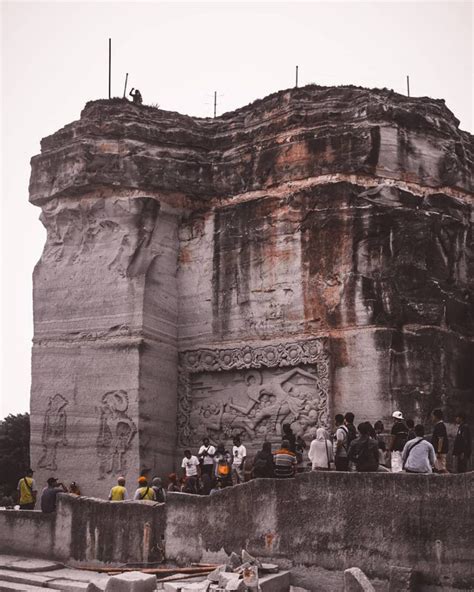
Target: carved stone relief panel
253,392
116,432
54,431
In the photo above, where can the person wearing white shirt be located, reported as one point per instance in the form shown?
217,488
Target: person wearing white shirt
206,456
418,455
321,451
192,470
239,454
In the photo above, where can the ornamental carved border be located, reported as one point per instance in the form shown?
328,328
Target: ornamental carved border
314,352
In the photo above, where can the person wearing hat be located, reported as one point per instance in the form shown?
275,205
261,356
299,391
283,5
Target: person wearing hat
144,491
27,491
49,495
398,439
119,492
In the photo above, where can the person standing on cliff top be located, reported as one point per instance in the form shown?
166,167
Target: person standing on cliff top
398,439
462,443
27,491
285,461
136,96
439,439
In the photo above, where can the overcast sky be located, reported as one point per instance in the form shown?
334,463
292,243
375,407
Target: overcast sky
54,59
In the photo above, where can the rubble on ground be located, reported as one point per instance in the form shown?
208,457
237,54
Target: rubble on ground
238,574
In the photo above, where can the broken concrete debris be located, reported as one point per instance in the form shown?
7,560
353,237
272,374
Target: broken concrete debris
243,573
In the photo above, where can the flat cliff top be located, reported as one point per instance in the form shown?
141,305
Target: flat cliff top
272,140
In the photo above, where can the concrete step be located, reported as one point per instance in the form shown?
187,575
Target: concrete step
19,587
7,575
34,565
14,580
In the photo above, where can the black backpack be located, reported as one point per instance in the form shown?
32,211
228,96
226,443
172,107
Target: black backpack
351,433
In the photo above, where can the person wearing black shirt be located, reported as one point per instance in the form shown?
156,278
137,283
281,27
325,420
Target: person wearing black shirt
398,439
411,429
263,465
289,435
364,451
462,444
439,439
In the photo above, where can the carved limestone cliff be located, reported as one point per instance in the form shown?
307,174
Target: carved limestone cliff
310,253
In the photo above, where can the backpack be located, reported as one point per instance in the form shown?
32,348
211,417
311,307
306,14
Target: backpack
223,468
351,433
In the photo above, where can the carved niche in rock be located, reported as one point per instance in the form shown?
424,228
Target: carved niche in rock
54,431
252,392
116,432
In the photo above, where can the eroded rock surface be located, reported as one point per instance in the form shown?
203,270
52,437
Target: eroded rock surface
310,253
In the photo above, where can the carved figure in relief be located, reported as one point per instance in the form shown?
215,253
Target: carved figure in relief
116,433
293,396
54,431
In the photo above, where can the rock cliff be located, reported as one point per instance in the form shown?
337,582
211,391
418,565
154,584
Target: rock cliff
310,253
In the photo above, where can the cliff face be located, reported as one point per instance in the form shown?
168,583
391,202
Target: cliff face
305,255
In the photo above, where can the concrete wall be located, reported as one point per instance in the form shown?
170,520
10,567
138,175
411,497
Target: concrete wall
328,521
20,531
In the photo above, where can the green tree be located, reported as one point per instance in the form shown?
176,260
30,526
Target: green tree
14,451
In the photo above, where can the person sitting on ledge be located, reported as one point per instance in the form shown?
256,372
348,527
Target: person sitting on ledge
418,455
118,493
173,484
49,495
285,461
263,466
144,491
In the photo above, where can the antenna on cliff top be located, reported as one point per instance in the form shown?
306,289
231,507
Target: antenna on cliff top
125,87
110,66
296,77
408,85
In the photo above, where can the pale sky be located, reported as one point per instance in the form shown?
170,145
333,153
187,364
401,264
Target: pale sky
54,59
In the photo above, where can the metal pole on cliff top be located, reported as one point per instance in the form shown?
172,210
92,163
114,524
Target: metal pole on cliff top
110,66
215,103
125,87
296,77
408,85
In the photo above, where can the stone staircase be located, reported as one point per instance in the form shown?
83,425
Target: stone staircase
32,575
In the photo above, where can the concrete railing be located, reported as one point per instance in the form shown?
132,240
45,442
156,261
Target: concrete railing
320,520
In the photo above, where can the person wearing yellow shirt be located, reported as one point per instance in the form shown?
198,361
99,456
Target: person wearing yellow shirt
144,491
27,491
118,493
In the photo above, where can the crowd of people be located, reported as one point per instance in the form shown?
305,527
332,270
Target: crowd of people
365,449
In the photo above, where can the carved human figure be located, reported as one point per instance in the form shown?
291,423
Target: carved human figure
116,433
285,402
54,431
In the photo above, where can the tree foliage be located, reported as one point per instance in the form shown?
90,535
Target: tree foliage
14,451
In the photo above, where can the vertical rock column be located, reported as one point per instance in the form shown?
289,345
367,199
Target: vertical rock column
104,313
